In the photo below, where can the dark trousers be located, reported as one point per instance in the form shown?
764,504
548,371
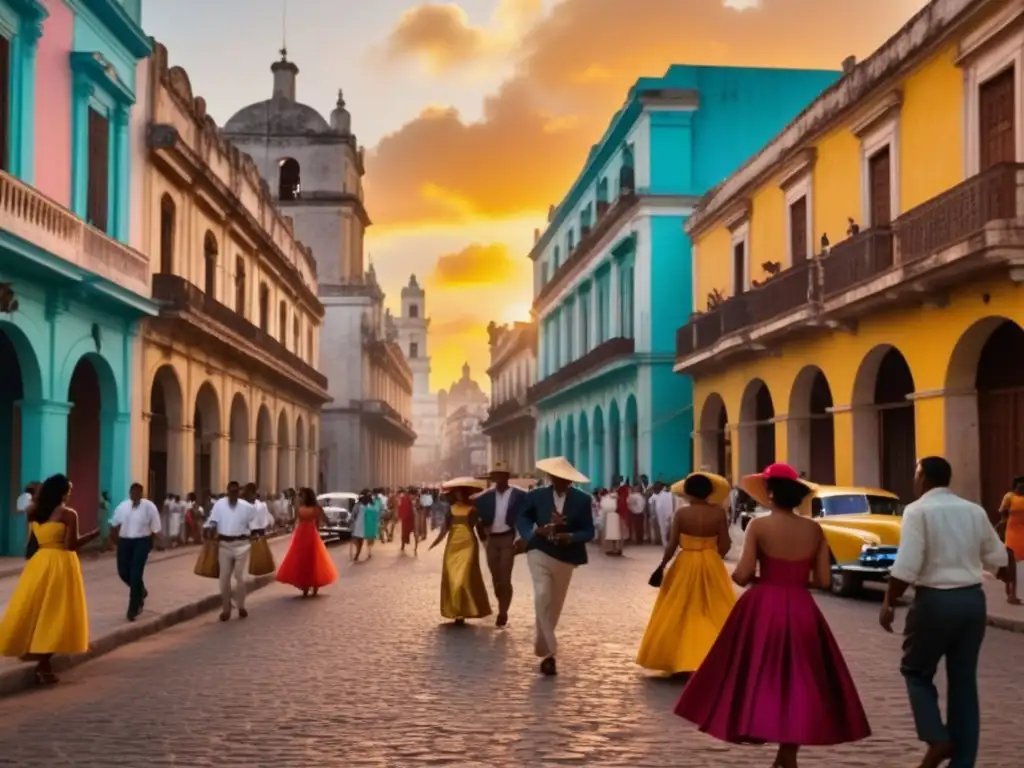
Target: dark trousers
946,623
131,562
636,527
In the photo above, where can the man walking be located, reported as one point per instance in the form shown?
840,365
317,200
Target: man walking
232,520
132,526
554,524
497,508
945,543
664,505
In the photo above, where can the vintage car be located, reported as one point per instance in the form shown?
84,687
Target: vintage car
338,508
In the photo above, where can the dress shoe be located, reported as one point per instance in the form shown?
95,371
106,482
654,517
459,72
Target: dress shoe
502,620
242,613
548,667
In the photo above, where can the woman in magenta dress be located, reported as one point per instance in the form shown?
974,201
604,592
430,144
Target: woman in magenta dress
307,564
776,674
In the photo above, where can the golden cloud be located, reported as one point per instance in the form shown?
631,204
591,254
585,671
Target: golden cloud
573,68
477,265
440,36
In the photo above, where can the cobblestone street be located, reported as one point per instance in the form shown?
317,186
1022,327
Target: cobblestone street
367,675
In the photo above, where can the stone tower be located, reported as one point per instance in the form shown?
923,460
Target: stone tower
412,335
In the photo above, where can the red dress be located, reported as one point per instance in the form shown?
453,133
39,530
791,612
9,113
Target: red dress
307,563
407,518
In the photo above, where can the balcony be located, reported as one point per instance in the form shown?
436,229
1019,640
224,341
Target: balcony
603,354
507,413
380,413
180,299
30,215
970,232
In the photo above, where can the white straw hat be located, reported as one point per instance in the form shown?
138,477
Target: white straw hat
561,467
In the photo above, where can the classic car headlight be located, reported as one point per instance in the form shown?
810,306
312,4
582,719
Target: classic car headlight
866,548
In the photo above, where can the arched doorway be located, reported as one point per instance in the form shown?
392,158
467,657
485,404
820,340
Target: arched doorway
264,450
90,429
570,440
284,464
206,428
238,461
165,423
811,427
597,476
289,184
301,453
757,428
614,443
558,439
884,438
631,442
715,445
584,443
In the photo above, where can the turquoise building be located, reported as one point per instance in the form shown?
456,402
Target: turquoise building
72,291
612,271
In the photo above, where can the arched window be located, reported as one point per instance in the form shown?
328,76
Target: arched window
264,306
282,322
414,310
167,221
309,345
414,350
240,285
289,179
295,334
210,262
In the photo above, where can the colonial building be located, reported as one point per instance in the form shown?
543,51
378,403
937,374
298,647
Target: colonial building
611,269
315,169
413,327
463,408
72,290
511,420
858,281
230,380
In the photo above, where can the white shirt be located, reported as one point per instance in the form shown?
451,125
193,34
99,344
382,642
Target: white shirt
262,519
426,500
559,502
946,542
664,504
501,499
136,522
232,521
23,501
636,502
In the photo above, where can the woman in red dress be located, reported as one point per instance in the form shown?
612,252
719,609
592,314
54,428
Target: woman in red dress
407,517
307,565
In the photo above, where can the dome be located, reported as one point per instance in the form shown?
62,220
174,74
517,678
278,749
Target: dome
277,117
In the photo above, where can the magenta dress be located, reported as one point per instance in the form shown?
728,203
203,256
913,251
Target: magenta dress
776,674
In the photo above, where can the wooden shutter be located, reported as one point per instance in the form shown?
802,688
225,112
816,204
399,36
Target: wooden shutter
5,103
99,170
880,188
798,231
997,130
739,268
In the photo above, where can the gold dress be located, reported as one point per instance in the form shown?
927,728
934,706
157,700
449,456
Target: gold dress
695,599
47,612
463,594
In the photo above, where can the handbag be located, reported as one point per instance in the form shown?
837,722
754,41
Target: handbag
31,546
208,563
261,559
657,576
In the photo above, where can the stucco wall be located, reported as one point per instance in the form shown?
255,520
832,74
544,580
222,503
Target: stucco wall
53,104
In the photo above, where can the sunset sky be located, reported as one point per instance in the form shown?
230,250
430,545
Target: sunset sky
478,114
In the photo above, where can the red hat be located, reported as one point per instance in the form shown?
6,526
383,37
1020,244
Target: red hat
757,485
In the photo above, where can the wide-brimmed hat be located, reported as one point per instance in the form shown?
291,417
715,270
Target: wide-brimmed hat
471,483
757,485
500,468
561,467
720,487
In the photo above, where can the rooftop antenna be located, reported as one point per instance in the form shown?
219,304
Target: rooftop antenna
284,30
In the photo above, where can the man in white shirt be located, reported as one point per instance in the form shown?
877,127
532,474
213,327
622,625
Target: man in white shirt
232,521
664,504
25,500
497,509
945,544
133,525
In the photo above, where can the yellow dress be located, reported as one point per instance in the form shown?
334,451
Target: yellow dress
47,612
463,593
693,603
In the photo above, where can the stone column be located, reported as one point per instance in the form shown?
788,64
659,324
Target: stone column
614,306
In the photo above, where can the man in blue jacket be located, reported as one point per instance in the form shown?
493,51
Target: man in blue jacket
497,508
554,526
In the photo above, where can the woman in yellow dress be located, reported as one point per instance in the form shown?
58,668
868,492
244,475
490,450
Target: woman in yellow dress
47,613
463,594
695,594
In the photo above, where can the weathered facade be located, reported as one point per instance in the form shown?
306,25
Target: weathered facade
315,169
230,380
463,408
858,281
511,420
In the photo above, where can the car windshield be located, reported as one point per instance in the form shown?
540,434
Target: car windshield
857,504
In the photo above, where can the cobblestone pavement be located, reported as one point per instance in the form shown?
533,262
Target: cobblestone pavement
367,675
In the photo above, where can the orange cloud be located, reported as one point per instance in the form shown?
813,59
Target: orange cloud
477,265
439,35
573,68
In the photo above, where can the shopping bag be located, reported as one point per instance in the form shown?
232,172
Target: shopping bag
208,564
657,577
261,559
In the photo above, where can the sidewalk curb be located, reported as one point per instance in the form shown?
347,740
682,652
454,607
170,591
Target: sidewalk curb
1010,625
22,677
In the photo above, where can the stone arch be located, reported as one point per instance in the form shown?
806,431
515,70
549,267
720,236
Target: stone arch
570,439
166,422
93,394
811,426
289,179
583,451
284,446
206,427
238,436
301,453
984,410
211,251
715,442
614,443
264,448
884,438
168,233
756,428
597,454
631,441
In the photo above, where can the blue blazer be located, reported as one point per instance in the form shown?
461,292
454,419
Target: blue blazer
487,505
579,523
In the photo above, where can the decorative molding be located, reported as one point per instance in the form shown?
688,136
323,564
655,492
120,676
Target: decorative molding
798,168
738,215
986,33
93,67
126,30
883,110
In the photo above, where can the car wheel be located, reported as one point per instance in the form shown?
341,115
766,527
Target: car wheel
846,584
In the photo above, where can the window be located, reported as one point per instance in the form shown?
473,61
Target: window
289,180
295,335
558,257
602,309
740,259
264,307
626,300
584,323
414,350
309,344
168,214
5,103
210,264
414,310
240,285
880,160
282,321
993,60
880,189
798,233
98,194
543,273
997,128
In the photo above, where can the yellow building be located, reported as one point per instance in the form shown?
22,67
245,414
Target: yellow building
859,280
230,385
